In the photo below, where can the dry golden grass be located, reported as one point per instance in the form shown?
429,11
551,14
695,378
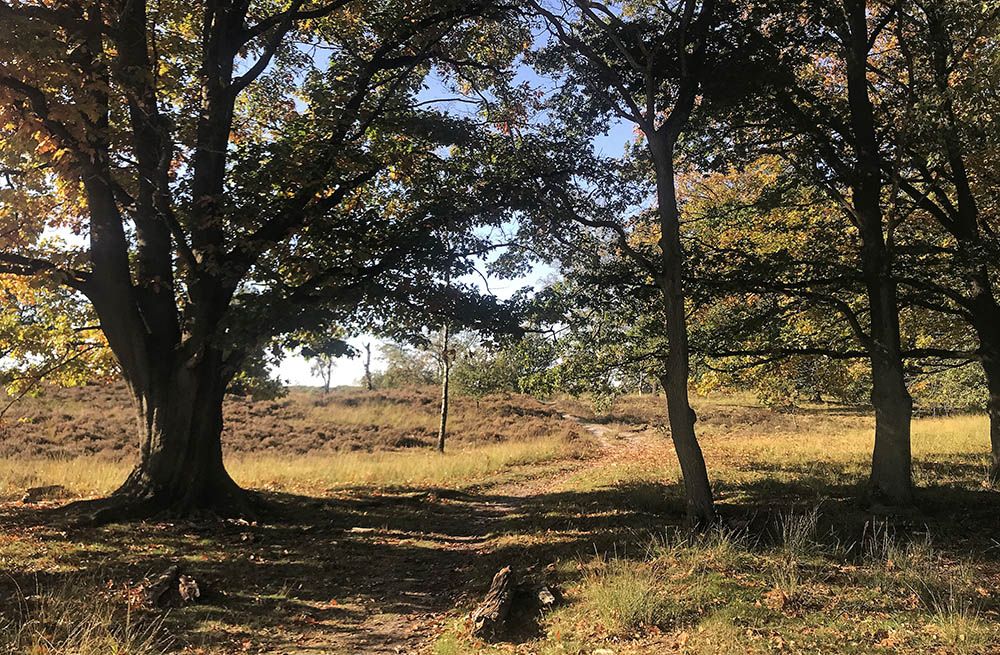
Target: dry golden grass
742,443
84,477
64,622
313,474
454,469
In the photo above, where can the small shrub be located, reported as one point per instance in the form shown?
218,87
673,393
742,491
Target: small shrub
799,533
625,596
958,621
786,578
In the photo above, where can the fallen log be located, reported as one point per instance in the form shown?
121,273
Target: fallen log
511,607
48,492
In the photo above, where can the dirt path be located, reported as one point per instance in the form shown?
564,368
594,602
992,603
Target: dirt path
613,445
431,551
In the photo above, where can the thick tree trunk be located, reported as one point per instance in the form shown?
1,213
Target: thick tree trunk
698,490
180,470
891,480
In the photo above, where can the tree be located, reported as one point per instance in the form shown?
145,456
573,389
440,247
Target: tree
405,366
821,117
322,349
423,356
937,91
653,65
523,365
910,107
231,188
892,87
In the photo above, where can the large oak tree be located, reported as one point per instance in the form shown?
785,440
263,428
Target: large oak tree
224,172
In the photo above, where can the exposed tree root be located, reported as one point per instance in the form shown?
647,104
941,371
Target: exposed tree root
124,507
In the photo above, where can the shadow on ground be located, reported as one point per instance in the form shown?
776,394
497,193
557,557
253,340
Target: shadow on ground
373,572
359,572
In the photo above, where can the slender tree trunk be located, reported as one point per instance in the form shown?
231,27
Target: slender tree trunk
368,366
891,478
994,471
680,415
180,469
445,381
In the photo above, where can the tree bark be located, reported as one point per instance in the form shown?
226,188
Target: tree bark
994,470
994,411
991,367
180,470
489,619
891,478
680,415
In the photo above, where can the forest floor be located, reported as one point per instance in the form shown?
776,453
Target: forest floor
386,552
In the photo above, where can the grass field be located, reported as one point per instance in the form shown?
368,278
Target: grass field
311,474
98,421
385,549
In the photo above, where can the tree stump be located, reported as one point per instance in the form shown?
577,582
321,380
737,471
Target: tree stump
489,619
170,588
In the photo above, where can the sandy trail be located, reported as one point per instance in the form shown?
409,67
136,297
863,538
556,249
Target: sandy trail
461,540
